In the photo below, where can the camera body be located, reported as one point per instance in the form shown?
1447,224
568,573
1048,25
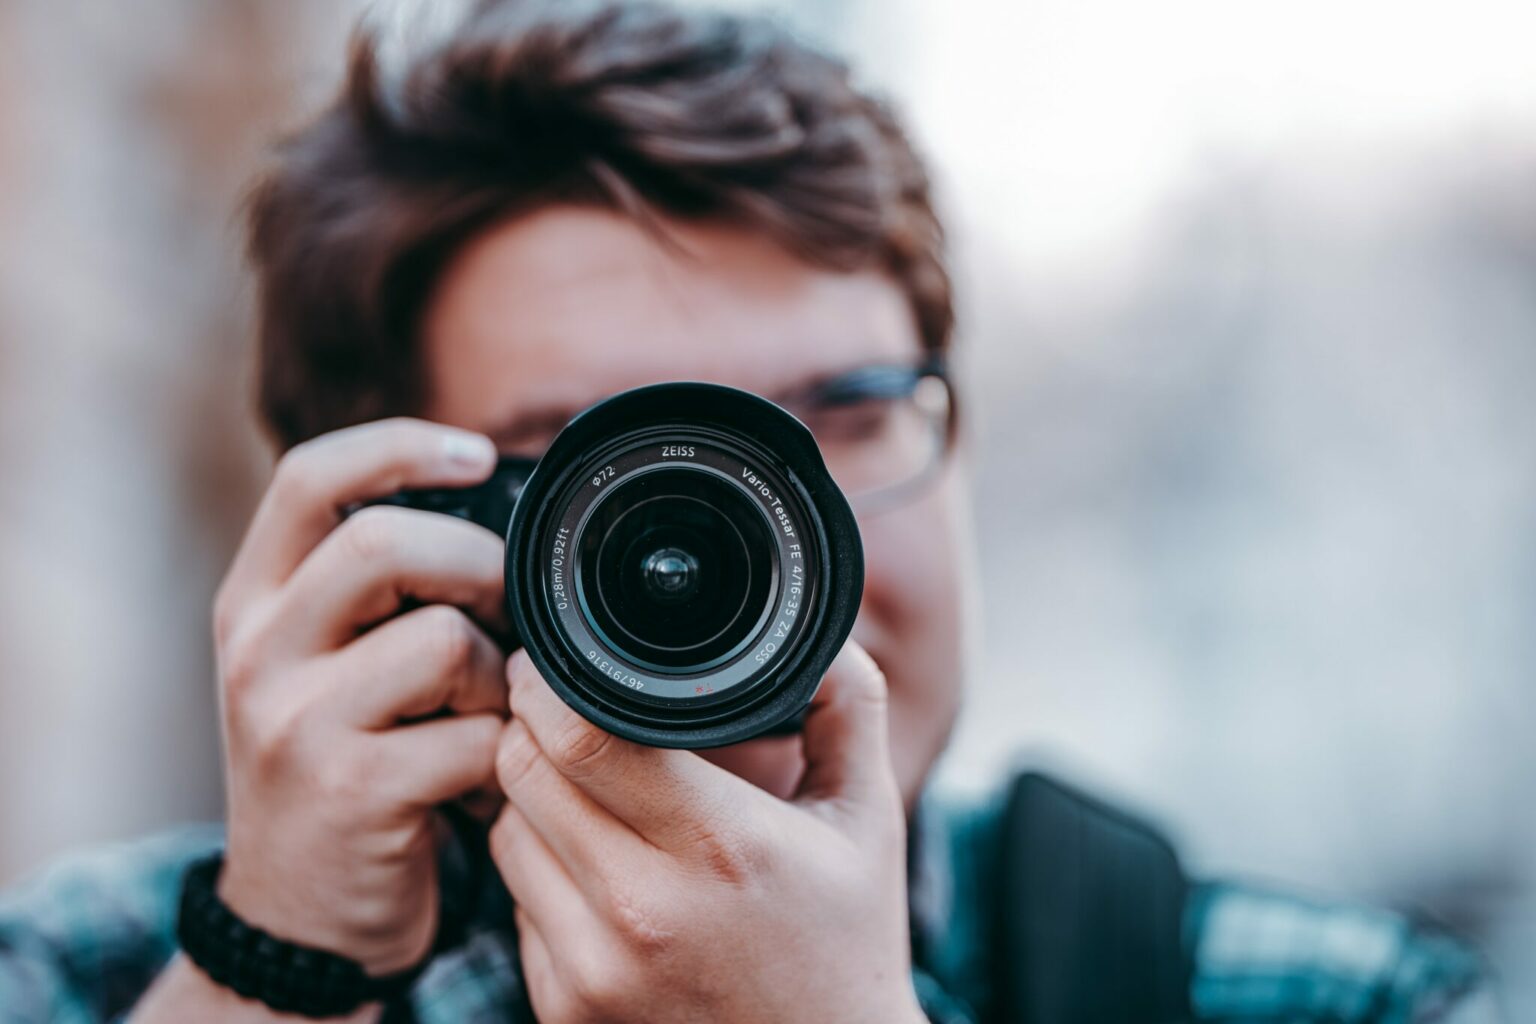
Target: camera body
680,565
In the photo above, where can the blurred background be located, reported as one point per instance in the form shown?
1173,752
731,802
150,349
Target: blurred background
1249,333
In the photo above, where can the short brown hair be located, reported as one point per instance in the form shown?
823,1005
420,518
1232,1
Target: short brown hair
638,107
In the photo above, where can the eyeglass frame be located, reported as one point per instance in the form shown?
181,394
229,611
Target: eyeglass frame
490,503
932,364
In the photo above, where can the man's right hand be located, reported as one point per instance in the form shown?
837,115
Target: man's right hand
345,721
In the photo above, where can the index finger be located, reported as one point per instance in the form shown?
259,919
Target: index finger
846,738
662,794
315,480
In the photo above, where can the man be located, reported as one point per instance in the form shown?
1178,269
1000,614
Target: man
560,202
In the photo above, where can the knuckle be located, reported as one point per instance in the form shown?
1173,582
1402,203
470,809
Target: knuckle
523,680
602,988
401,433
730,855
500,839
869,684
452,636
294,479
242,659
271,736
239,668
372,534
516,757
640,928
404,442
579,747
863,690
343,777
520,672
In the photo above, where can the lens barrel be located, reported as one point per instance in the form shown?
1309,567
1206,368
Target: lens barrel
681,567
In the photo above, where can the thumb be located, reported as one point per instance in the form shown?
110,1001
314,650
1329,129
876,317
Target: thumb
846,742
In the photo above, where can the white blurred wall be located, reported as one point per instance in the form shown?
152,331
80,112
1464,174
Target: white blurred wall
1249,318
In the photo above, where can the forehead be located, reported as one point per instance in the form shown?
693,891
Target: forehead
553,311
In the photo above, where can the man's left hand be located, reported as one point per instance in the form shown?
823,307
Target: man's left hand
652,885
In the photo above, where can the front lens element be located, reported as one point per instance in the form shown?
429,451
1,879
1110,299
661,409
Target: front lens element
675,569
670,573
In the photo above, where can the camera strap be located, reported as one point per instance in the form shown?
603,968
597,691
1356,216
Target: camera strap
1091,903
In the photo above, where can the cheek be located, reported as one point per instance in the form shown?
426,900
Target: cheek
916,565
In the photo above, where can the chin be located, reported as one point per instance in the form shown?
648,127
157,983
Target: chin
772,763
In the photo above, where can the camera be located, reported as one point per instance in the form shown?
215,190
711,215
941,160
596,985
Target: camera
680,565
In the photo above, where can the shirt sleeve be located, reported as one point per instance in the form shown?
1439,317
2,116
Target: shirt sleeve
1260,954
81,941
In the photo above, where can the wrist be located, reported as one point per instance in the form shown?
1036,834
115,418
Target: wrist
289,977
289,911
182,992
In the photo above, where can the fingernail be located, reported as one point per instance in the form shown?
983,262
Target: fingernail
466,449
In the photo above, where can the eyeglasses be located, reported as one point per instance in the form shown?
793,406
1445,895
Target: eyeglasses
884,430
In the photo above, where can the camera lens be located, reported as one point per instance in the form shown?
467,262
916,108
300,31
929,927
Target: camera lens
670,573
681,567
675,570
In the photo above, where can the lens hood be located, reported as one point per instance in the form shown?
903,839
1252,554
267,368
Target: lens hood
681,567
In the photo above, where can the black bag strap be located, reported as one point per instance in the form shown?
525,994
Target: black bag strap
1090,906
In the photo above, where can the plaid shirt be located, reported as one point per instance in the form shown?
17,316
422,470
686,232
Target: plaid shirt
83,940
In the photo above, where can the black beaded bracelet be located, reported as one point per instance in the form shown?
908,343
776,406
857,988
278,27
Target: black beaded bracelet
286,976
